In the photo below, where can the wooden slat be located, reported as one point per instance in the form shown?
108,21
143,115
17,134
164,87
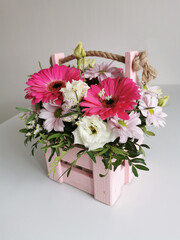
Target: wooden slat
107,189
59,170
79,179
84,161
130,73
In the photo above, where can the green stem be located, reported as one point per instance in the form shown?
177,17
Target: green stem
83,68
79,68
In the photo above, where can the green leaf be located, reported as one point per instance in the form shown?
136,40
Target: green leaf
50,171
54,164
138,160
23,130
122,123
102,175
134,154
141,151
147,132
145,145
67,114
131,146
23,109
58,145
41,141
151,111
92,156
145,87
150,133
37,107
119,157
80,153
119,151
52,154
54,172
129,162
103,151
142,167
68,172
117,163
58,158
57,152
134,171
30,118
40,65
106,162
56,135
47,146
43,136
97,150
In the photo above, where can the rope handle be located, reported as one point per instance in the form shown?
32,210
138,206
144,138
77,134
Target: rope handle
140,61
107,55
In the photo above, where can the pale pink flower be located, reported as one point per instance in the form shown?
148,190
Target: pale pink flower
149,108
157,119
51,114
153,91
103,71
128,128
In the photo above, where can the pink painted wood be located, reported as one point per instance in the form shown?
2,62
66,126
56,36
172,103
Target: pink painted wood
56,57
86,176
106,189
130,73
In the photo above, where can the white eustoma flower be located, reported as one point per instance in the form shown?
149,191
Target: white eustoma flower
74,92
127,128
93,133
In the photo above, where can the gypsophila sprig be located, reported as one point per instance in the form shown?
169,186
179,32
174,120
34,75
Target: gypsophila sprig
92,107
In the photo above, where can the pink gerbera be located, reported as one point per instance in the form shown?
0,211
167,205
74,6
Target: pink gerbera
111,97
45,85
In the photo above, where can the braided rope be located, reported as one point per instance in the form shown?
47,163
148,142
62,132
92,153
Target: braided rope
141,61
107,55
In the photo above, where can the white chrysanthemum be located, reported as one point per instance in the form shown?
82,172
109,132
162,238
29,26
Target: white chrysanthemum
93,133
74,92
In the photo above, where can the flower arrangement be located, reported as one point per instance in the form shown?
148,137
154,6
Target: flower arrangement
93,107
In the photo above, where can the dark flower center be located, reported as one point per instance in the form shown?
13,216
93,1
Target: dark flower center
56,85
57,113
109,103
93,130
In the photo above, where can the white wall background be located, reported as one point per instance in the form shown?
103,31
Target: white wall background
31,30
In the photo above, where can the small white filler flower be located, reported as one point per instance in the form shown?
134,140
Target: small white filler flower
74,92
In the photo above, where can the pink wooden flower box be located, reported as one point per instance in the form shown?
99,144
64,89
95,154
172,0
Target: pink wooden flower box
85,175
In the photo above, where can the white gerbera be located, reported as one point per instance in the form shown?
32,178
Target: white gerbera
93,133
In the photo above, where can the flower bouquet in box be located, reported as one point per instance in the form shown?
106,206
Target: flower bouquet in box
96,109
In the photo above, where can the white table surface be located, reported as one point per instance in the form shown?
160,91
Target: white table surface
34,207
